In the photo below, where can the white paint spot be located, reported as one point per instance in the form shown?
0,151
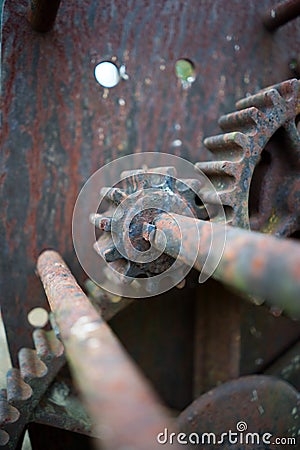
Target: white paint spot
122,102
38,317
177,143
228,38
246,78
123,74
259,362
107,74
254,396
273,13
237,48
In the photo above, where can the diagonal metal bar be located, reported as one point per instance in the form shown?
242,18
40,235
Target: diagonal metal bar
254,263
123,406
281,14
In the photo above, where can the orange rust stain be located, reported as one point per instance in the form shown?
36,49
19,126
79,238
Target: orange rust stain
258,264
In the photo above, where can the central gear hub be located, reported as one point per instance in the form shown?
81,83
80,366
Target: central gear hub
136,200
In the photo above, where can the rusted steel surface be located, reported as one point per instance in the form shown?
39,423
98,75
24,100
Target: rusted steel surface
108,304
217,313
253,263
263,404
270,195
265,337
287,367
280,14
26,386
42,14
61,407
124,409
61,126
171,315
134,208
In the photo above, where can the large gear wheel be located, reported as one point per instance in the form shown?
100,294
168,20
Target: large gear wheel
259,157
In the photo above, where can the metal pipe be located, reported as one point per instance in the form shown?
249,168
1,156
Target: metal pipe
42,14
254,263
122,405
281,14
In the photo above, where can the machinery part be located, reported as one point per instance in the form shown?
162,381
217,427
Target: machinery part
287,367
281,14
26,386
21,401
107,304
273,110
63,129
138,198
61,408
253,263
261,397
125,410
250,262
42,14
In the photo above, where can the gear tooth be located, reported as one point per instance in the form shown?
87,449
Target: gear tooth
132,173
115,195
225,197
182,284
133,271
4,438
105,247
171,171
17,389
120,266
134,180
265,98
188,184
221,173
100,221
47,345
245,120
151,285
30,365
229,198
8,413
116,272
217,168
110,254
231,143
211,197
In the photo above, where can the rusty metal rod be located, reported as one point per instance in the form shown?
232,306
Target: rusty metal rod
42,14
254,263
281,14
122,405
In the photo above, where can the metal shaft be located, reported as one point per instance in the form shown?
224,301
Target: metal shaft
42,14
281,14
122,405
254,263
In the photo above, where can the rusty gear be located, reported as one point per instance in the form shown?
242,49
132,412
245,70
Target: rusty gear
26,386
260,155
138,198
